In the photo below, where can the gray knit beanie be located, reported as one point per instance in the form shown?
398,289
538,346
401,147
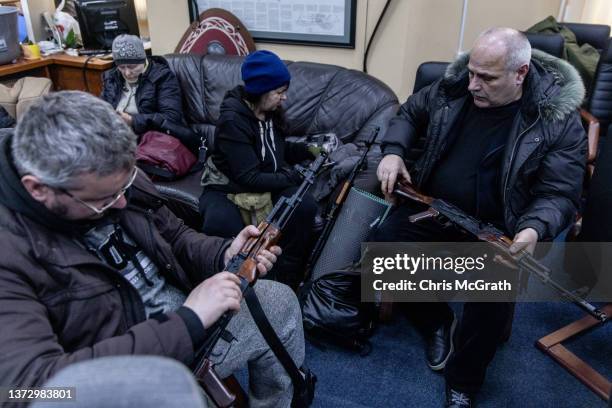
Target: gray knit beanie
128,49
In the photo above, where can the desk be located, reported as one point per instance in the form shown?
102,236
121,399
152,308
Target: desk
65,71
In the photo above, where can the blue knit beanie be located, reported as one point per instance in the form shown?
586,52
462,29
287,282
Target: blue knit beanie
262,71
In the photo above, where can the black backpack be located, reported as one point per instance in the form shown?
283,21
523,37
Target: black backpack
332,311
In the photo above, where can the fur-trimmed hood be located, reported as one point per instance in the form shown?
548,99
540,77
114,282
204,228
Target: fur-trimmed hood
552,86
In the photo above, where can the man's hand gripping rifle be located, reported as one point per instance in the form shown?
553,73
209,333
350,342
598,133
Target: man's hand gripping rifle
244,264
446,212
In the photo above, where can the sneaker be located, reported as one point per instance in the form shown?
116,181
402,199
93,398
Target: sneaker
458,399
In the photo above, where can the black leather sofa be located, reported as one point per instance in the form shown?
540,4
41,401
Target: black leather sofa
321,98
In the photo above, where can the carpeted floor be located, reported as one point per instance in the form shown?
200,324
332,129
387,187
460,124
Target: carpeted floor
395,373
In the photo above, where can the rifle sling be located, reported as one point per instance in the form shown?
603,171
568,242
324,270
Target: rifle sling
268,333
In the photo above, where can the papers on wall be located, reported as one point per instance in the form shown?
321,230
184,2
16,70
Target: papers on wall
315,17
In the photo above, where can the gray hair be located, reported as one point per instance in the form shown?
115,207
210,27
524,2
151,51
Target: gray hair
516,44
69,133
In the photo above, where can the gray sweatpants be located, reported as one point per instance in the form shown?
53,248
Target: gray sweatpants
125,382
150,381
269,384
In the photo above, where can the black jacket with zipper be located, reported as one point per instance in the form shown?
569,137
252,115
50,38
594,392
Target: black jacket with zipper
544,158
253,153
158,98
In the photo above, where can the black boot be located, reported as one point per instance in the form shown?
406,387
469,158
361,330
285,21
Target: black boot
439,345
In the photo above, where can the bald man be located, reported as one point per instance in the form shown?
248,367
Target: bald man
503,142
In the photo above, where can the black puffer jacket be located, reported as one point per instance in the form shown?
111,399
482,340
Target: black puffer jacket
544,159
158,96
252,153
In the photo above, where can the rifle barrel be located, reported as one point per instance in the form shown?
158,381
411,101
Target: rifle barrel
489,233
278,218
529,263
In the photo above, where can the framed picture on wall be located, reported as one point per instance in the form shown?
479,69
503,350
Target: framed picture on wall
308,22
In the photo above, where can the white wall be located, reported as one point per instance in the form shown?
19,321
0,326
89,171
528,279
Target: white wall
597,11
412,32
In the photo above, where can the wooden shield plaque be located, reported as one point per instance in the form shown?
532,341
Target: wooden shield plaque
217,32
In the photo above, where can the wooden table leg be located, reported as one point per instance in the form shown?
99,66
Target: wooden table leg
552,346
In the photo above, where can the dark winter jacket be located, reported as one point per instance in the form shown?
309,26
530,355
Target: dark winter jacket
158,98
60,304
544,159
252,153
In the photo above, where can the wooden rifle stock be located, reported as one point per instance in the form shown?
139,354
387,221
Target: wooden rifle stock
215,388
269,236
244,264
405,189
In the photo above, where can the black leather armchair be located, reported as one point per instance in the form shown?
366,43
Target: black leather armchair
598,96
427,74
321,98
550,43
597,112
599,102
595,34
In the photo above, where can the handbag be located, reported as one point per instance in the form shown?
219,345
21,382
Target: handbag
163,156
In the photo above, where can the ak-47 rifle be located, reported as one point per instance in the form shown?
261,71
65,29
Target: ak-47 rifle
330,218
446,212
244,264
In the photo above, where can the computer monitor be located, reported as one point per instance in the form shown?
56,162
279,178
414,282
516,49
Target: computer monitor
103,20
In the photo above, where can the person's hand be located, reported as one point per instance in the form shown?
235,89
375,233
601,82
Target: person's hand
126,117
388,170
524,239
215,296
265,260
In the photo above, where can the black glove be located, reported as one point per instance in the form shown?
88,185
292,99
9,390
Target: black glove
294,176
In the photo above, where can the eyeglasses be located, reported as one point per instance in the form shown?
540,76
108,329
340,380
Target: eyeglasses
108,205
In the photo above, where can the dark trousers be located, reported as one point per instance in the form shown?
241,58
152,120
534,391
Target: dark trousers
222,218
482,324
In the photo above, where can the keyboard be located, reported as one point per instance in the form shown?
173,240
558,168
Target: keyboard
94,52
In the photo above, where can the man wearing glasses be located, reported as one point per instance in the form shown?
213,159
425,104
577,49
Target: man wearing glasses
105,202
93,264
